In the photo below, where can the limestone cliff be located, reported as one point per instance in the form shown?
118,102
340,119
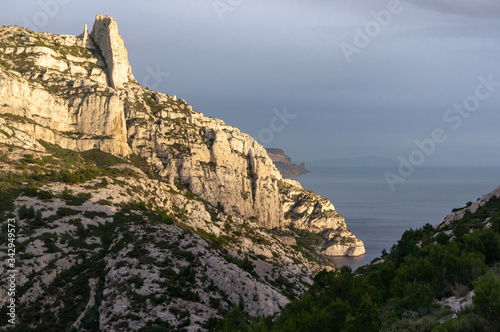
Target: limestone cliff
106,37
61,91
79,93
308,211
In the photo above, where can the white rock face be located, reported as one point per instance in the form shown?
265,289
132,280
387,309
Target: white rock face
341,242
306,210
13,136
106,37
63,94
20,97
458,303
99,118
84,39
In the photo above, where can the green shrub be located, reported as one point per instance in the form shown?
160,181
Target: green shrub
486,300
45,195
138,281
247,265
102,159
159,299
38,221
104,202
122,325
65,212
93,214
31,190
68,177
50,245
76,200
26,213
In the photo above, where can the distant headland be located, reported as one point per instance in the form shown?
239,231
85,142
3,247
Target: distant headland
284,164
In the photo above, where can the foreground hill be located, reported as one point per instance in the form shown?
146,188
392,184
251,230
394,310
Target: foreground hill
133,210
442,278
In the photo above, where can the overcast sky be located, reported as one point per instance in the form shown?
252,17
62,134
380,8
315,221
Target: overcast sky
359,78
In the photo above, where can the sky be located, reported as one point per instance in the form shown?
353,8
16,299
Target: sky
414,80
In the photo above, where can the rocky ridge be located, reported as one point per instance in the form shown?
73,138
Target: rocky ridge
472,207
187,201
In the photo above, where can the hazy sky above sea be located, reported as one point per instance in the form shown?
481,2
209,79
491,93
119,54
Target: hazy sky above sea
239,60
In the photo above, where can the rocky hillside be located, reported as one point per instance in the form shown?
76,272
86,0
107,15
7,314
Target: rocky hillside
121,249
284,164
134,210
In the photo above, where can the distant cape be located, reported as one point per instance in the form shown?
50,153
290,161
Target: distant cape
284,164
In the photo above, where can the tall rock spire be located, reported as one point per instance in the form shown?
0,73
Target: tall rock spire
85,34
108,40
83,40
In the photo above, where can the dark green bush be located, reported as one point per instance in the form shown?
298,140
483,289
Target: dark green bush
65,212
45,195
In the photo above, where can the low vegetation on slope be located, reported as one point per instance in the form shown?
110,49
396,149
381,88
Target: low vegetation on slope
100,245
444,279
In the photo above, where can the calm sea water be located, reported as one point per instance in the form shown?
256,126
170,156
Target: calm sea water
379,217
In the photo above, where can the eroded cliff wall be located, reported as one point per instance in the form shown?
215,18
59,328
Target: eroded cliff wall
79,93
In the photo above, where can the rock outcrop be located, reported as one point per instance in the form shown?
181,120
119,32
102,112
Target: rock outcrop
285,165
308,211
57,86
79,93
106,37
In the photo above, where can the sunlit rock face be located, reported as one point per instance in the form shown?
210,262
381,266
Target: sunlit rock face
79,93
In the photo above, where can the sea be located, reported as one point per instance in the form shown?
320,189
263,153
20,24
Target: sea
379,216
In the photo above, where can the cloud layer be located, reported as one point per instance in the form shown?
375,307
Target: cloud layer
477,8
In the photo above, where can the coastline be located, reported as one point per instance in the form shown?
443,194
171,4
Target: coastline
379,217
